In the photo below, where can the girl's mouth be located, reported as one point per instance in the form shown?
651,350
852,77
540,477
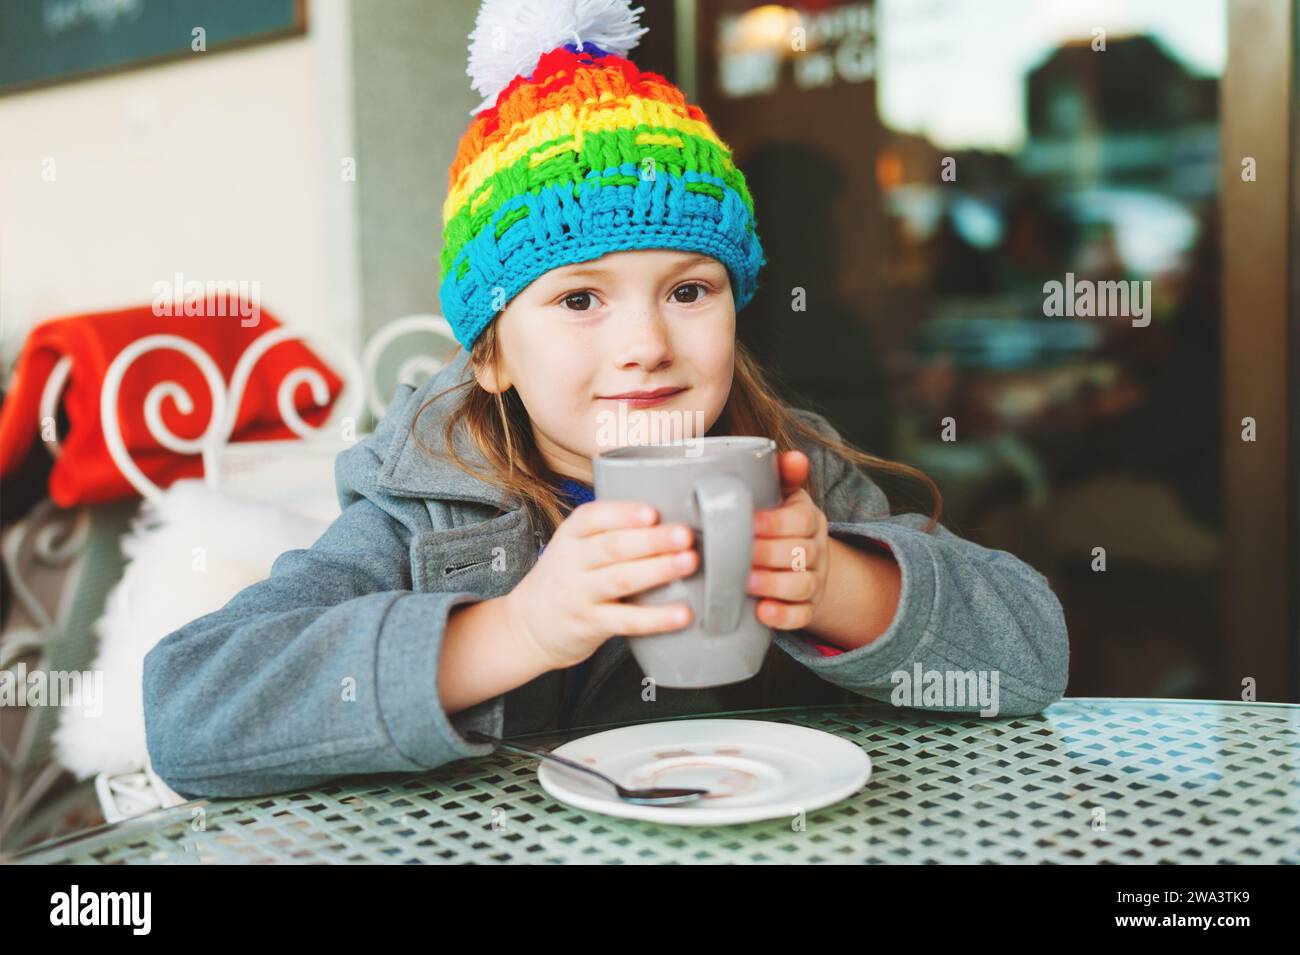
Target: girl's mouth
646,399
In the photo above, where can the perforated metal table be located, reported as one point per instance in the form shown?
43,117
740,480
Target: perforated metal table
1087,781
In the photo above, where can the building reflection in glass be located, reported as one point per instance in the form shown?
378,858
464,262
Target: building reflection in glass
923,172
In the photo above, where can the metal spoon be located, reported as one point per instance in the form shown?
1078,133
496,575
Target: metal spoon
657,796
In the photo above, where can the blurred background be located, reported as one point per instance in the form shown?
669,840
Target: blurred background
920,170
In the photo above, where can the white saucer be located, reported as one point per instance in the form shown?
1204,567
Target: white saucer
753,769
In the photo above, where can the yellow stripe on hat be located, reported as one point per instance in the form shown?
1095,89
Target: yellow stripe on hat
606,113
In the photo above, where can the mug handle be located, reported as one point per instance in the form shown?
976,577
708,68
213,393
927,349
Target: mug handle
726,508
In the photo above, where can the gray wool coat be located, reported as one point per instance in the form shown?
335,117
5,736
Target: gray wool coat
328,667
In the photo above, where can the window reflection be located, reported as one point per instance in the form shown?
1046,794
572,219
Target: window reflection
1003,215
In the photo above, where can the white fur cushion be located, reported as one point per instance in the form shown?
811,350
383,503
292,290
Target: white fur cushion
187,557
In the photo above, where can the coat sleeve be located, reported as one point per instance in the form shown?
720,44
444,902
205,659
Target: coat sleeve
963,608
327,667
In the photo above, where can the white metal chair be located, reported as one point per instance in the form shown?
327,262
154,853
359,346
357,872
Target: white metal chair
292,475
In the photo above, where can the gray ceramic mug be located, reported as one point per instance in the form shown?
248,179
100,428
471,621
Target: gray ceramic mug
714,484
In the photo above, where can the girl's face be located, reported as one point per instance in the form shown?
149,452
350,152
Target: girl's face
630,321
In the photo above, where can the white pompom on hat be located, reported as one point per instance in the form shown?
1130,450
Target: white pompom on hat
511,35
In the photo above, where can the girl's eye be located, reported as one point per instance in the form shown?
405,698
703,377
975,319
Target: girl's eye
580,296
585,301
691,299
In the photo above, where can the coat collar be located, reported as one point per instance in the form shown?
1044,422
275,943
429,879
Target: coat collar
411,471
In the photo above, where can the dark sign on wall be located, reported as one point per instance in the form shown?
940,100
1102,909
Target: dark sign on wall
50,41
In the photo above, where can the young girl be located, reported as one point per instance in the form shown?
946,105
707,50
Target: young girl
598,242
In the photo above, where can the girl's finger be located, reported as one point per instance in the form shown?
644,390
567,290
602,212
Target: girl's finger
634,620
784,616
795,520
616,546
594,517
794,468
633,576
780,553
783,584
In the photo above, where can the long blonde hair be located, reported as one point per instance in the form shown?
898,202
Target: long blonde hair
499,426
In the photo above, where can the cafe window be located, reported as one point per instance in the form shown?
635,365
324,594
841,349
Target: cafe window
993,233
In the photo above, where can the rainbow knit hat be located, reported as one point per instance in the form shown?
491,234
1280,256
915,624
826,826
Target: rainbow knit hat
583,155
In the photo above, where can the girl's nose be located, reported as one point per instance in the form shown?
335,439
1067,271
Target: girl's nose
646,341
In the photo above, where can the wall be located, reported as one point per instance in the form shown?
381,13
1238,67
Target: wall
413,99
224,165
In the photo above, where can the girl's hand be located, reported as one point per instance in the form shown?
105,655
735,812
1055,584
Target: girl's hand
791,550
568,604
